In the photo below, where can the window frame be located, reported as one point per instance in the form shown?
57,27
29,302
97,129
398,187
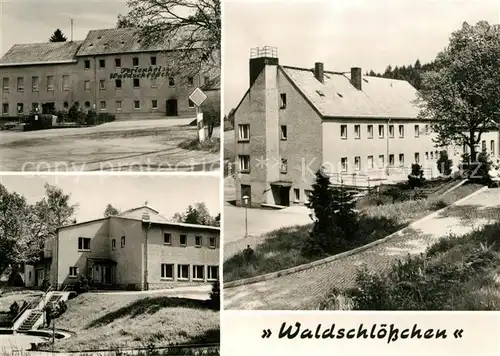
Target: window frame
244,159
164,269
181,236
241,130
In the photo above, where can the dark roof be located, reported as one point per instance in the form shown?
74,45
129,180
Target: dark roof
118,40
337,97
39,53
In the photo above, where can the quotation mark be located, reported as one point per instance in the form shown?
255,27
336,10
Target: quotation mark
266,334
458,333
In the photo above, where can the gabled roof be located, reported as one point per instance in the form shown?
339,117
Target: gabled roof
337,97
118,40
41,53
137,214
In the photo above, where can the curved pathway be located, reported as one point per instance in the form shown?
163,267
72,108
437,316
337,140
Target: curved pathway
306,289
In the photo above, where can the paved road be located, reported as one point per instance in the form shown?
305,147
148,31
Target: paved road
304,290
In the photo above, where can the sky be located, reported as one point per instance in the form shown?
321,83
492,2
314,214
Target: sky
28,21
370,34
166,193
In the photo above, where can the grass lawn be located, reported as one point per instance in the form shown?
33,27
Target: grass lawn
107,321
211,145
8,298
281,248
456,273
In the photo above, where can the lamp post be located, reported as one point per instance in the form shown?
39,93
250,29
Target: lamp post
245,199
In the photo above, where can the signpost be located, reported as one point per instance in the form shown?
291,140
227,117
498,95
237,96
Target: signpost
198,97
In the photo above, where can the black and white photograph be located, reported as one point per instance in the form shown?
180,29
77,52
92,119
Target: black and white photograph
110,85
109,265
361,155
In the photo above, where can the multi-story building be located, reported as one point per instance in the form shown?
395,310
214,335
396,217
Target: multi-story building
111,71
138,248
361,129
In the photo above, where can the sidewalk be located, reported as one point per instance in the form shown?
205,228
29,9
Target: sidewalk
304,290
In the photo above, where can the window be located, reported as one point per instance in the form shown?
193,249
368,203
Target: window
357,163
118,84
5,84
102,84
426,129
167,238
282,101
381,161
5,108
65,82
417,157
167,271
34,84
118,105
190,103
87,64
20,108
244,132
20,84
137,104
183,240
426,155
136,83
391,131
401,131
135,62
102,105
296,193
370,162
102,63
357,131
122,241
197,241
153,60
211,242
154,83
198,272
401,160
244,163
284,166
213,273
343,163
483,145
190,81
154,104
73,271
84,243
343,131
283,133
50,83
66,105
113,244
381,131
86,85
391,160
432,155
370,131
118,63
492,147
171,81
417,131
183,272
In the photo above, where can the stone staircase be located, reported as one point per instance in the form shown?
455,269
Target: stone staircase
32,319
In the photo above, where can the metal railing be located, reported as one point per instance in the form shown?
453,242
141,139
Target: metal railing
266,51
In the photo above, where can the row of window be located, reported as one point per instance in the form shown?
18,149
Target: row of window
244,132
381,131
84,242
65,85
103,106
118,62
183,272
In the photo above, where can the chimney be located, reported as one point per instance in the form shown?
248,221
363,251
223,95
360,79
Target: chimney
356,77
259,58
318,72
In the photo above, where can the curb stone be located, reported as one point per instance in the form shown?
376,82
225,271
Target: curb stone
292,270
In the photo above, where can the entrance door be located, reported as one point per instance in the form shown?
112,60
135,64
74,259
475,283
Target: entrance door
40,275
106,274
285,196
48,108
172,107
246,190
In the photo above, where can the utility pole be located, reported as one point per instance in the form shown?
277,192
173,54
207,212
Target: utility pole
71,30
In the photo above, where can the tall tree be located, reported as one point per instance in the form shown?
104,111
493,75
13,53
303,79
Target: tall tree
211,114
197,214
57,36
111,210
192,28
462,94
124,22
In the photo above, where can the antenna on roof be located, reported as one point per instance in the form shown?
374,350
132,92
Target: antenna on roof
71,30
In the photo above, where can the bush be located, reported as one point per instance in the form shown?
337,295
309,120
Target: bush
14,309
15,279
416,177
76,114
444,164
81,285
477,172
215,295
45,284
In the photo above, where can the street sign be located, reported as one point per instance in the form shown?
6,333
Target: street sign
198,97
